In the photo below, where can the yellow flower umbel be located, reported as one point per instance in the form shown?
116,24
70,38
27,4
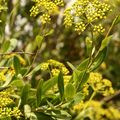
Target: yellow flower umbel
100,85
68,20
5,99
85,13
46,9
54,67
45,18
98,28
80,27
9,112
7,108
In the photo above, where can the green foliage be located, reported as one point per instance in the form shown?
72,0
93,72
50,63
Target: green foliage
61,84
39,92
16,65
69,91
36,81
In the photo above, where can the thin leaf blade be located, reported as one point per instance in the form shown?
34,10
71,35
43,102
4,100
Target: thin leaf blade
61,85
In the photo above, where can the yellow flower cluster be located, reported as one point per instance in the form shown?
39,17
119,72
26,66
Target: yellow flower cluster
5,73
86,12
5,99
95,111
68,20
97,10
78,106
80,27
85,90
59,2
112,113
55,67
100,85
2,77
66,79
45,18
46,8
9,112
98,28
5,102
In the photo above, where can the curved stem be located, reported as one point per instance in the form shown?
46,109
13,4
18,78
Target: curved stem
92,96
111,27
86,105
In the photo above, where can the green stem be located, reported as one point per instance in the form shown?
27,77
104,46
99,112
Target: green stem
89,62
86,105
92,96
111,27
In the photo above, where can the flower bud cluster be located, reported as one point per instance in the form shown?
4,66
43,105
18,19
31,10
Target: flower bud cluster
46,8
5,99
68,20
2,77
9,112
59,2
55,67
100,85
45,18
78,106
85,13
80,27
6,105
98,28
85,90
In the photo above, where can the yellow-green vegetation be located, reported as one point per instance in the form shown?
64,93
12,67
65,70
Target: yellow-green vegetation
3,7
49,70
